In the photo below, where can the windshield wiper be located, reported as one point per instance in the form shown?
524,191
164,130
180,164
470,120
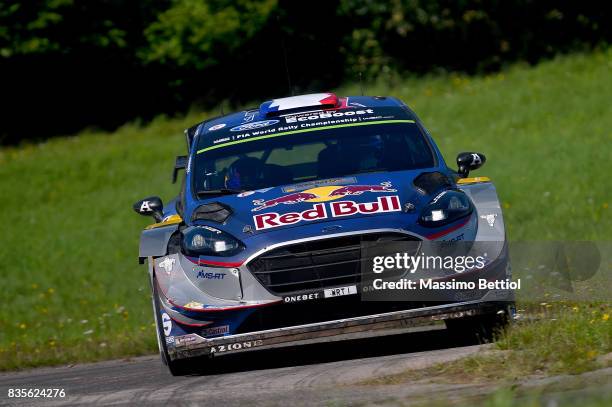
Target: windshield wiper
370,171
221,191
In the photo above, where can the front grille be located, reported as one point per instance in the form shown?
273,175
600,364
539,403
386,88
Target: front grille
318,264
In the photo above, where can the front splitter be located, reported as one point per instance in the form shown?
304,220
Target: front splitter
193,345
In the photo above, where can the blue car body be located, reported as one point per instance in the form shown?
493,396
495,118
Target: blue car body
211,304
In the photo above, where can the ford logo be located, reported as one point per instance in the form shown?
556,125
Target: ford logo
254,125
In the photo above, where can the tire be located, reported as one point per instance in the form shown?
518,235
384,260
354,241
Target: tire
176,367
480,329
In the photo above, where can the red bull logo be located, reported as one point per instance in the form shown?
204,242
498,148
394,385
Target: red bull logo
360,189
387,203
285,199
322,194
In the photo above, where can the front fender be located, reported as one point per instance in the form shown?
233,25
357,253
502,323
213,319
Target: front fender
154,241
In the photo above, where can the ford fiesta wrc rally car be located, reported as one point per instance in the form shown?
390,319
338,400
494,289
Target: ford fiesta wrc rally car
280,208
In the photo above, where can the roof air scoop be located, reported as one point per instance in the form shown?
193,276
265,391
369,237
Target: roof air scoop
296,104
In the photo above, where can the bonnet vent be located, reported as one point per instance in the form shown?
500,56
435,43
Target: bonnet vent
214,211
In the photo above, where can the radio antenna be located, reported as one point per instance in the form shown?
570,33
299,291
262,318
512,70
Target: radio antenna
361,83
284,49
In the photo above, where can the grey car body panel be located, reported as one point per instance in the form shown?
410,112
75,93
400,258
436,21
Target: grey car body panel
484,197
154,242
183,287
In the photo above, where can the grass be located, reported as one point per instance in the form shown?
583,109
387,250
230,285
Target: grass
512,397
565,339
70,284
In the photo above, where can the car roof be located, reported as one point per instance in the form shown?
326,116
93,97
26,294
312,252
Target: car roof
294,105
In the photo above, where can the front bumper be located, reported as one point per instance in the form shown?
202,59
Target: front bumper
192,345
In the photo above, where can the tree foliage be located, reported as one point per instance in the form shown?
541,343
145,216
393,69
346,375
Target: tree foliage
74,63
197,35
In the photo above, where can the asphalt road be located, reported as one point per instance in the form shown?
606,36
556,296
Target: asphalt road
318,374
304,375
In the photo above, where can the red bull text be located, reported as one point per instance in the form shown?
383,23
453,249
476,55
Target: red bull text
320,211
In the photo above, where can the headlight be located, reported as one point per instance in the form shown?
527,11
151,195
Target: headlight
208,241
445,208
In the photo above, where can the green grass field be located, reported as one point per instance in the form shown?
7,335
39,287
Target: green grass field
70,284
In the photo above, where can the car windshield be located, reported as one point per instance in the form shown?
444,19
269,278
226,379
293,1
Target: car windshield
320,153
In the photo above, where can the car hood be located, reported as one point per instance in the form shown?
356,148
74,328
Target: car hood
332,200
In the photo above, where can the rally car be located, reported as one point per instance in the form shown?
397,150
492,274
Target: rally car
266,244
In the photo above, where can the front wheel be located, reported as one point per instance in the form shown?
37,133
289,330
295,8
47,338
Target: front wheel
176,367
479,329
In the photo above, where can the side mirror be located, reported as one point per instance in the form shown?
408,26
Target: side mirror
179,164
467,162
151,206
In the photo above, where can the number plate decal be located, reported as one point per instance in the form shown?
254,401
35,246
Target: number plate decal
340,291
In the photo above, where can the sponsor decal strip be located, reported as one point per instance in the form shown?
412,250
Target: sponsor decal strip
223,308
337,126
449,230
473,180
170,220
236,346
192,325
202,262
218,330
317,295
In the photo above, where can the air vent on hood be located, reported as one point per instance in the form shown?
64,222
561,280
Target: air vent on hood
214,211
430,182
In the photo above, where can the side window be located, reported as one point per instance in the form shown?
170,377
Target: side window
213,173
180,202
